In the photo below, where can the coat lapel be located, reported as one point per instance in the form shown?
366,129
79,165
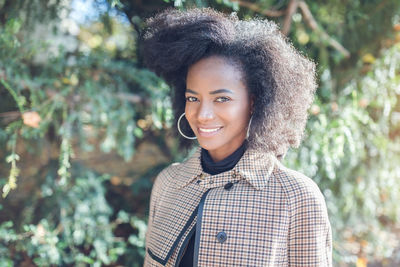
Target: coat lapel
255,167
176,208
182,187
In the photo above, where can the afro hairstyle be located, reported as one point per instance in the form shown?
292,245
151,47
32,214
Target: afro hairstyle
280,79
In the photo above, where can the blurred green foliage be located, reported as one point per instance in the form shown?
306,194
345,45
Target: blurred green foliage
74,229
81,98
92,94
351,151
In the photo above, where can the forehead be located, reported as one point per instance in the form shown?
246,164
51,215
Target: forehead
214,73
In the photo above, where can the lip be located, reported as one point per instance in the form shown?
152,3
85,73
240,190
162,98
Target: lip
209,131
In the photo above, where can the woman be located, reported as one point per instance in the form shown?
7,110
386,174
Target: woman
243,92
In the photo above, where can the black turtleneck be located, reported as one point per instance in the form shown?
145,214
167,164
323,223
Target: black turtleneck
213,168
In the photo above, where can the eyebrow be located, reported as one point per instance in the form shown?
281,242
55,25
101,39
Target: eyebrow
212,92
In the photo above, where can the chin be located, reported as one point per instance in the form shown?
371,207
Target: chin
209,145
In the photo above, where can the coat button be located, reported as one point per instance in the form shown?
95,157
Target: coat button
221,237
228,186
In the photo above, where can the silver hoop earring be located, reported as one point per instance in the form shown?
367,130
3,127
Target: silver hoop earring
179,128
248,128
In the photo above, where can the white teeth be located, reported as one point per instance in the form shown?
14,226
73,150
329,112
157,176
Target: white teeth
209,130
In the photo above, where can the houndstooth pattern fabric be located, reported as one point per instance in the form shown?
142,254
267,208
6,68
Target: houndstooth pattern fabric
271,216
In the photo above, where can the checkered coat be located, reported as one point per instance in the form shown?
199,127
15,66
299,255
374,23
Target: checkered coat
260,213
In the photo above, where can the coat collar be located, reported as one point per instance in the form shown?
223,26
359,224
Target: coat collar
254,167
183,187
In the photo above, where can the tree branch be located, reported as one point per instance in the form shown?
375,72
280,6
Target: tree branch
256,8
291,9
311,22
10,114
134,99
308,19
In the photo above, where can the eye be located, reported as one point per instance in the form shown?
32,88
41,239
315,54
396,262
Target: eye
191,99
222,99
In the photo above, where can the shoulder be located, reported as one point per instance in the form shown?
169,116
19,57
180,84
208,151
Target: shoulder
167,173
301,191
161,182
177,174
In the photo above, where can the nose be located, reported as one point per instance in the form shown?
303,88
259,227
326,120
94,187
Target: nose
205,112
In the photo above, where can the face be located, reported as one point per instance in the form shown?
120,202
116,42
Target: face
218,105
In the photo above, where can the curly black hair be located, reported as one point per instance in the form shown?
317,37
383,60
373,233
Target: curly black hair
280,79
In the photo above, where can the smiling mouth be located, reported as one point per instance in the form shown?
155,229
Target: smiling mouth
209,130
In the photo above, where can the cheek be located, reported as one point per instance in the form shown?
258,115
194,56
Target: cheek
190,112
234,113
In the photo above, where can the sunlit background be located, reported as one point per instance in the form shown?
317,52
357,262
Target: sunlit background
85,127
